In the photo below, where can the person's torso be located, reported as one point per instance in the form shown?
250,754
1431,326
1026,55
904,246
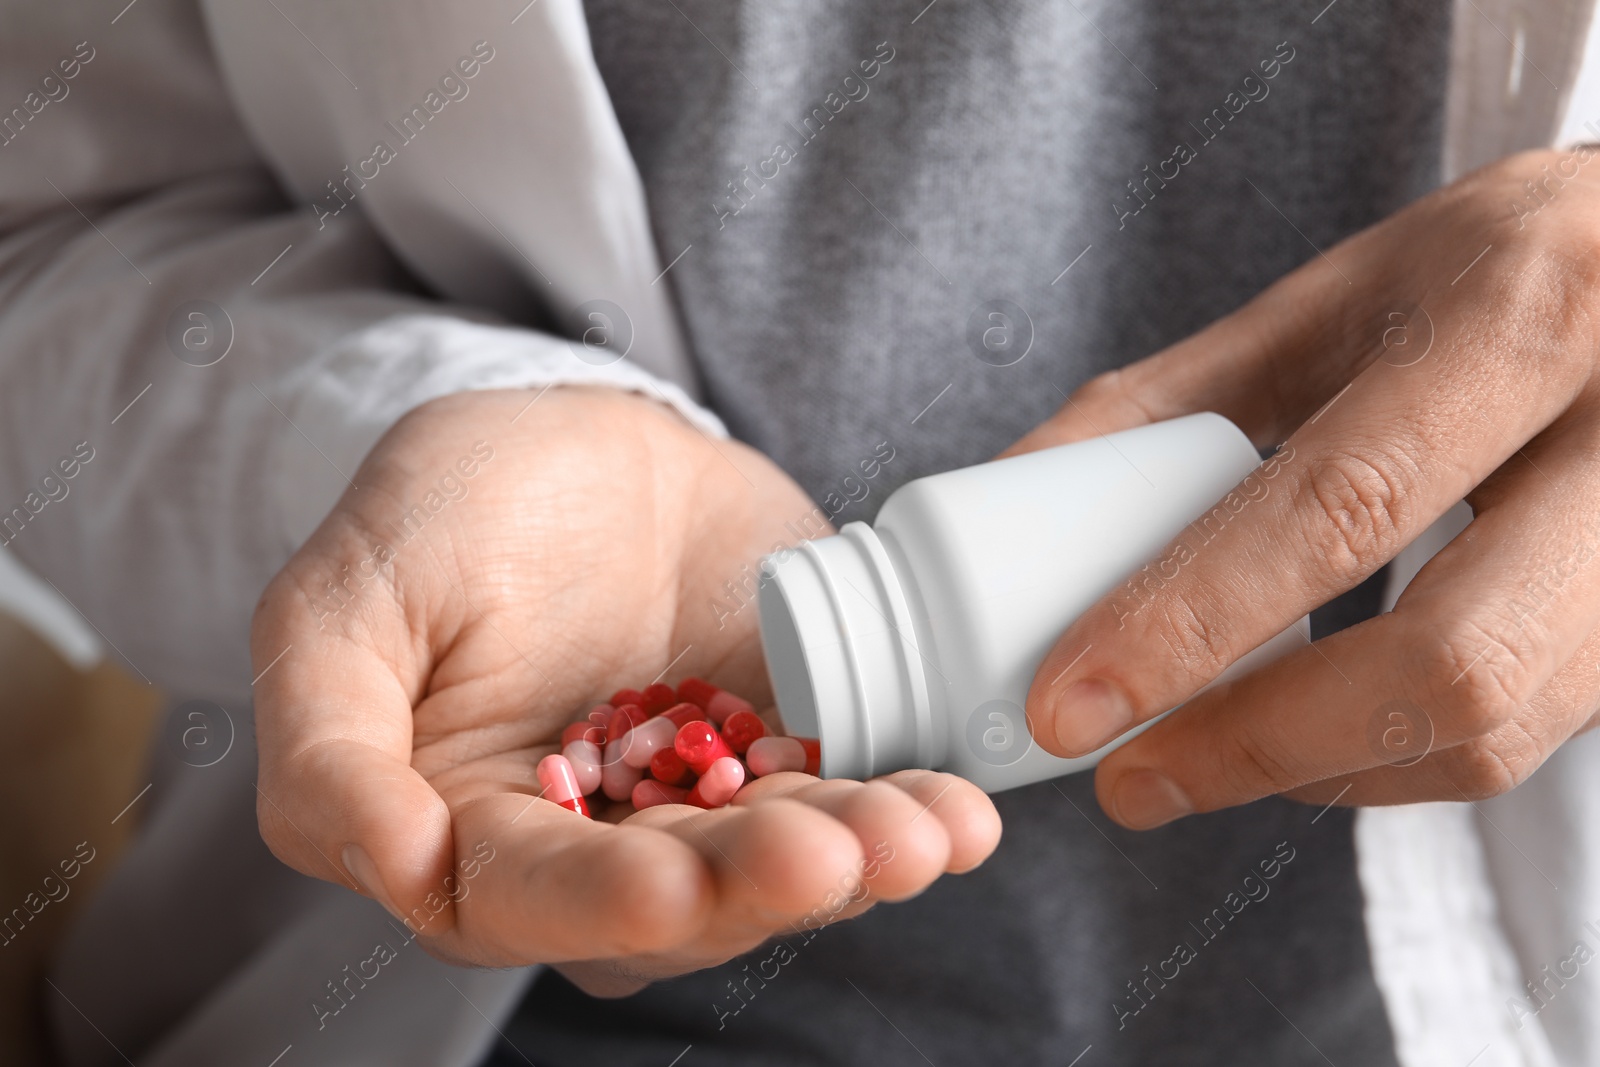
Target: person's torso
845,192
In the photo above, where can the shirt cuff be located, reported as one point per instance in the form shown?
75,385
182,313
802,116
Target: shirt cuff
345,399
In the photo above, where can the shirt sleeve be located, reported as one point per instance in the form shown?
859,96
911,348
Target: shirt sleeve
191,367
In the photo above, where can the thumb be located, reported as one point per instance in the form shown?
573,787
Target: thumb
337,797
349,813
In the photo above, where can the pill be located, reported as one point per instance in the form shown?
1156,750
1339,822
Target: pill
583,730
679,714
626,696
718,704
741,728
699,745
642,742
719,707
560,784
657,697
625,718
813,749
697,691
649,792
717,786
769,755
617,779
667,767
584,755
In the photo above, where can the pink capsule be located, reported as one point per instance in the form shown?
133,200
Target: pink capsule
617,779
644,741
719,707
585,759
622,720
560,784
582,730
649,792
769,755
717,786
684,713
718,704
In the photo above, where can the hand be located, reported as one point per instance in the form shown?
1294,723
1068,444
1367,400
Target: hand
1448,352
554,554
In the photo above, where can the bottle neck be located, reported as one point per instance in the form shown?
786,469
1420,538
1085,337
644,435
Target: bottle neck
843,653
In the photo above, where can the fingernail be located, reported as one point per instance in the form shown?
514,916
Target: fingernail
1143,800
365,872
1089,714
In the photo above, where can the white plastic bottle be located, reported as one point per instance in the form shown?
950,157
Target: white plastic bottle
913,643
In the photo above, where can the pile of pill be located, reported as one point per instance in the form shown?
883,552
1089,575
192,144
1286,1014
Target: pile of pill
696,744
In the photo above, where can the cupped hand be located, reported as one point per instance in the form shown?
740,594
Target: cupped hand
1448,352
508,559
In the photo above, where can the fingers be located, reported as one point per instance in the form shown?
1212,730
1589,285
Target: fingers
1480,631
971,824
902,853
968,815
562,887
672,888
1483,767
337,796
1349,490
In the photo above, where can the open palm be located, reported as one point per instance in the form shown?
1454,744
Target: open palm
500,567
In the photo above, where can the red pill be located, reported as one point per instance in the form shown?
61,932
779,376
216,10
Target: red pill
625,718
769,755
668,768
717,786
626,696
583,730
560,784
718,704
741,728
679,714
617,779
699,745
649,792
657,697
813,749
585,759
719,707
640,744
697,691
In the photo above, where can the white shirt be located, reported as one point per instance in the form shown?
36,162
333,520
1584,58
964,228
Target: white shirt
144,148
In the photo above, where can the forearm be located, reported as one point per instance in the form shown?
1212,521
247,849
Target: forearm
191,485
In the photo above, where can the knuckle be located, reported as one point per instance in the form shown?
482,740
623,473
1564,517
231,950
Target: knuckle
1114,391
1483,683
1187,627
1565,279
1358,497
1493,766
1252,767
